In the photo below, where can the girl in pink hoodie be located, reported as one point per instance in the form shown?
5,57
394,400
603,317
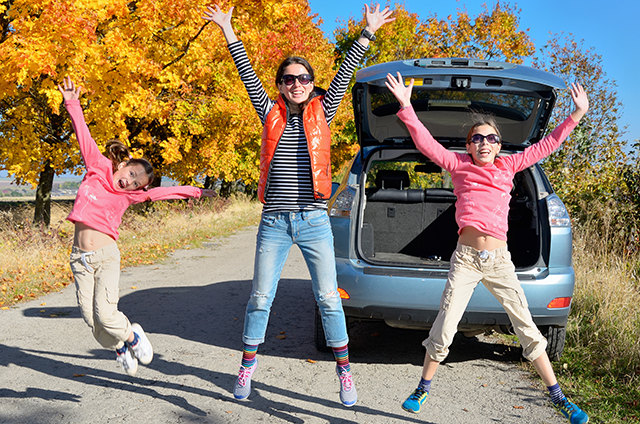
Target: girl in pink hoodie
109,187
482,183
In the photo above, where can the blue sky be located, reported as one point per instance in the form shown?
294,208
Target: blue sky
612,28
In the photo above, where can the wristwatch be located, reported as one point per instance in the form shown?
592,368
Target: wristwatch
369,35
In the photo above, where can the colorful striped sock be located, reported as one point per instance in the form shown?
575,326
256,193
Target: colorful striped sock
425,385
135,340
249,355
342,357
122,350
556,394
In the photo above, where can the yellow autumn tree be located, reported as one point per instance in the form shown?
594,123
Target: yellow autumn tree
216,110
589,171
156,77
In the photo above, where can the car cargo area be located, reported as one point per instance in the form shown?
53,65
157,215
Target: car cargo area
408,215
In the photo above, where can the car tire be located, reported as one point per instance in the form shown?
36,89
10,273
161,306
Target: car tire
555,341
318,333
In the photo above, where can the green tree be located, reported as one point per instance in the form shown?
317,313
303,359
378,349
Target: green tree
588,167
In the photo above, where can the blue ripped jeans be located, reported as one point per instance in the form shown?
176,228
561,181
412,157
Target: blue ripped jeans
311,231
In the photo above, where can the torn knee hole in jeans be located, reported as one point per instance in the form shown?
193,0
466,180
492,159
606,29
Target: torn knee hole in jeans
329,295
258,294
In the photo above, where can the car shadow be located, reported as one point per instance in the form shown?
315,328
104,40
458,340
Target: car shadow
214,315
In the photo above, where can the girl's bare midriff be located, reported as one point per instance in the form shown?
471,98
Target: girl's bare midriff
471,236
87,238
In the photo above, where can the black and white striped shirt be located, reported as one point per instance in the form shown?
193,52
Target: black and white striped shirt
290,186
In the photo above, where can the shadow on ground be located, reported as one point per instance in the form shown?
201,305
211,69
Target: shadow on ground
214,315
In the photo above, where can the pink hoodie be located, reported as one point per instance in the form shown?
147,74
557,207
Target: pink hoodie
97,203
483,192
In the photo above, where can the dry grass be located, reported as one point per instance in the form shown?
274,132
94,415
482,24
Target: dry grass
606,312
35,260
600,367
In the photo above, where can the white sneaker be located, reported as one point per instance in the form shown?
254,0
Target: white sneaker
242,390
143,350
128,362
348,394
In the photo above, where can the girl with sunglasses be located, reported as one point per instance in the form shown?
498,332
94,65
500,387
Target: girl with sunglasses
109,187
482,183
294,185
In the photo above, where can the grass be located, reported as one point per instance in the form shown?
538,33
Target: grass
35,261
600,367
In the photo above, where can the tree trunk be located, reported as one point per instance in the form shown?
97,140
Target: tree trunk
226,188
43,196
210,182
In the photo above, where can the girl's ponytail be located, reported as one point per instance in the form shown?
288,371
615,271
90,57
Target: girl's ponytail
118,153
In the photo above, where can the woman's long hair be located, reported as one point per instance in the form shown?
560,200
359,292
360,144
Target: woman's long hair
117,152
296,60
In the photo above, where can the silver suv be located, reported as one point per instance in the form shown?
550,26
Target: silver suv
393,213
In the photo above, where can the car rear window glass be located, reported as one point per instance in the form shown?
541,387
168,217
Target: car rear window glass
407,174
512,106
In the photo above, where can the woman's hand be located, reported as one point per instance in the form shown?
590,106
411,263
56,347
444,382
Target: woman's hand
223,20
69,90
397,87
206,192
376,18
580,100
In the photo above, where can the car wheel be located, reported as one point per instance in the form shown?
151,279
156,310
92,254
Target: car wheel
555,341
318,333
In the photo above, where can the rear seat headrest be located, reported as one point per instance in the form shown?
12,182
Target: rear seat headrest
391,178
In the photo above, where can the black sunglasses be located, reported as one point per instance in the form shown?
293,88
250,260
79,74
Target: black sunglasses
304,79
491,138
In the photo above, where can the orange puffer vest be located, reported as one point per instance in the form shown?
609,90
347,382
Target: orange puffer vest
318,137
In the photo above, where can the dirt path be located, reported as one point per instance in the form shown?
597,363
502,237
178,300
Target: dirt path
192,307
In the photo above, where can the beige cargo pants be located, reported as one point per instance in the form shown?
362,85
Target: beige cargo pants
97,275
496,271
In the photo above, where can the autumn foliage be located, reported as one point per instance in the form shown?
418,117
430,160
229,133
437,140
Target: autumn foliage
160,78
493,34
156,75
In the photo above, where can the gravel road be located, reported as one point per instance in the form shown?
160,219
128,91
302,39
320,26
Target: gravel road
192,306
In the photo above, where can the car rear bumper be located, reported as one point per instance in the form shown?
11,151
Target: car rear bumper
411,298
423,319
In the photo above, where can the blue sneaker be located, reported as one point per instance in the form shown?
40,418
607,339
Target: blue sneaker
415,400
572,412
348,394
242,390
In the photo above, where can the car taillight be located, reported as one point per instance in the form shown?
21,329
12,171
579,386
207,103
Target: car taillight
559,302
558,215
341,207
343,294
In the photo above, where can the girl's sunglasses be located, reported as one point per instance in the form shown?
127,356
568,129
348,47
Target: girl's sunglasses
304,79
491,138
